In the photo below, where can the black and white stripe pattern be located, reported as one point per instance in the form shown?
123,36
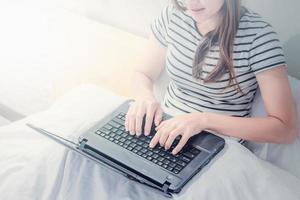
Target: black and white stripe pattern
256,48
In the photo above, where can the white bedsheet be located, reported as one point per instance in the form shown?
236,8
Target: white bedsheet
3,121
34,167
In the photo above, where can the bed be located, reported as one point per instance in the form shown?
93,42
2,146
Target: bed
34,167
4,121
77,90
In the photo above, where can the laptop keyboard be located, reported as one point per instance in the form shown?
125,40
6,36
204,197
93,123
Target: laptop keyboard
115,132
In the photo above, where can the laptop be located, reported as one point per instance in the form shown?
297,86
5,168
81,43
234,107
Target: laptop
109,144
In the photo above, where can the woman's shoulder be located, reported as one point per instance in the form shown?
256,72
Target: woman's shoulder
252,22
179,21
176,14
260,40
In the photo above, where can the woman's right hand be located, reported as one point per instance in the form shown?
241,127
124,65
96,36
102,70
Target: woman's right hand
136,112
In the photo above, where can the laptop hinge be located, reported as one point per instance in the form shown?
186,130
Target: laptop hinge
82,143
165,187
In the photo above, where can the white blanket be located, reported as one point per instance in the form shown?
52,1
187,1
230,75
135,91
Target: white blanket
34,167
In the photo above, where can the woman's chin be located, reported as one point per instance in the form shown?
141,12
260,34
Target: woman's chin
198,17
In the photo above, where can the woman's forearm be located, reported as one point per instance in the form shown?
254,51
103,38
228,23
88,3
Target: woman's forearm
260,129
141,85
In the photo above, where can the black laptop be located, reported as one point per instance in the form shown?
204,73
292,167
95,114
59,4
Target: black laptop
108,143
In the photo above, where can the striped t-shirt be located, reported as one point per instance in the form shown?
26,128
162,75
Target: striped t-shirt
256,48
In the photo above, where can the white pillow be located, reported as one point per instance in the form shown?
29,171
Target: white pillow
24,94
48,51
24,83
282,155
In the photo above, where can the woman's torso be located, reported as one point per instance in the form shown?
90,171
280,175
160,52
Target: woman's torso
185,93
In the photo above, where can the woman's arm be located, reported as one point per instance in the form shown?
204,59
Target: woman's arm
149,66
280,124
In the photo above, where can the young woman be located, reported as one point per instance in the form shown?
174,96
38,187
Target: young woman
217,54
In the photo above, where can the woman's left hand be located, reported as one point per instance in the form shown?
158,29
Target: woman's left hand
186,125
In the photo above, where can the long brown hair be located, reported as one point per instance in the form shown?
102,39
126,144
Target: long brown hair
223,36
